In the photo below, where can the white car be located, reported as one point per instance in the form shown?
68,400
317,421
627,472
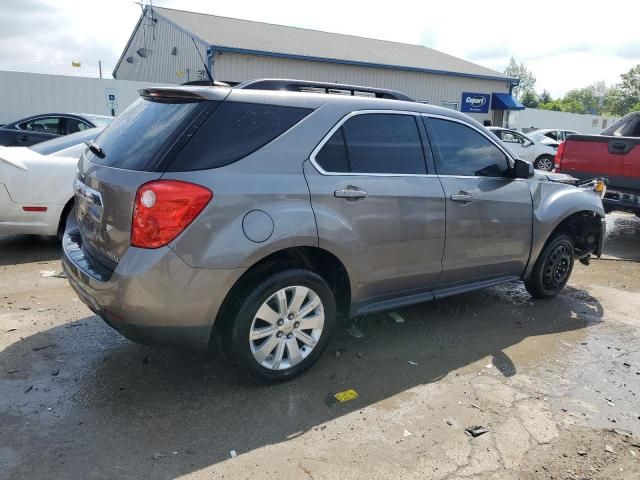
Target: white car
551,136
36,184
540,154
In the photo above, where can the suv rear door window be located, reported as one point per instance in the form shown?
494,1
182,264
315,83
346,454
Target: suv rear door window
375,143
233,131
465,152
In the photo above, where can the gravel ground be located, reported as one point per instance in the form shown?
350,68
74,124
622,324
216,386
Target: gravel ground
555,384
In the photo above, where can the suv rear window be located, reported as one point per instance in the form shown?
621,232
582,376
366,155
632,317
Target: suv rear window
233,131
139,137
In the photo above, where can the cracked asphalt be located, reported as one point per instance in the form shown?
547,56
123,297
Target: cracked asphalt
555,383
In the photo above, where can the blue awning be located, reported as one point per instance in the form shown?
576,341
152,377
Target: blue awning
504,101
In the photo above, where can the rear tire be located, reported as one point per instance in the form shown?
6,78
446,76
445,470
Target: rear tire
265,334
553,268
544,162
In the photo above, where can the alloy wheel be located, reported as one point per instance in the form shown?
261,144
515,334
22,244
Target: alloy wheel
286,328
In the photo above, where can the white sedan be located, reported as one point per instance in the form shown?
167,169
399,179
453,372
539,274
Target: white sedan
540,154
36,184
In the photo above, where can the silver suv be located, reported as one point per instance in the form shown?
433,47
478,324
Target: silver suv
259,215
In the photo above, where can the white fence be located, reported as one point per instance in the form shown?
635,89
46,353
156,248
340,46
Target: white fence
531,118
24,94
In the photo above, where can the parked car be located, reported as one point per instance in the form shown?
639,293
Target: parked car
40,128
526,148
36,184
258,215
615,154
551,136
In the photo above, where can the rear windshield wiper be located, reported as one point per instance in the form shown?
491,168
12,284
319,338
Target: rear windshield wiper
95,149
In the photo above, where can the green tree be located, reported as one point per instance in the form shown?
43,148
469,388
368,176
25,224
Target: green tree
527,78
530,99
581,100
623,97
545,96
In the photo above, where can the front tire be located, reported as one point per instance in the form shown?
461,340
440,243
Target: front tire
281,326
552,269
544,162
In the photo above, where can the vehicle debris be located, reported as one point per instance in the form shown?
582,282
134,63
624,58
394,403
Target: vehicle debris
476,431
608,448
355,332
346,395
412,363
233,453
406,433
396,317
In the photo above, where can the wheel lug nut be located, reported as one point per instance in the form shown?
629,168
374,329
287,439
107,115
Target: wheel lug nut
290,317
296,324
279,334
280,322
289,336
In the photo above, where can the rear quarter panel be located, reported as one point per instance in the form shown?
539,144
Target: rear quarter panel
269,181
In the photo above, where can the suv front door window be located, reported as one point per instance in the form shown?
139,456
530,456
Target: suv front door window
488,228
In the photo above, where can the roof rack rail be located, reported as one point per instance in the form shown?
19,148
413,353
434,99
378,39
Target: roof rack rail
327,87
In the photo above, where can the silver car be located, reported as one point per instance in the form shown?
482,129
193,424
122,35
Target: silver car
262,214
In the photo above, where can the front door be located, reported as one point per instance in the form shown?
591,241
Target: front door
489,213
376,208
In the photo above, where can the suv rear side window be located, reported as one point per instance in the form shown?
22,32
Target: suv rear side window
139,136
233,131
375,143
465,152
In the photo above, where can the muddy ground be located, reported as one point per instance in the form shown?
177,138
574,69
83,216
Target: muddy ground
556,384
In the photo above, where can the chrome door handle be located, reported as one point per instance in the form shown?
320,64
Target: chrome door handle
352,193
461,197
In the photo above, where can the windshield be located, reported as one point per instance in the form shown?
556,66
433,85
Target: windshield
60,143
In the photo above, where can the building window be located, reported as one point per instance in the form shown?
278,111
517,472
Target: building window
594,122
450,105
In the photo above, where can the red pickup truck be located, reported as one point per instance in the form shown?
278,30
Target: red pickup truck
614,154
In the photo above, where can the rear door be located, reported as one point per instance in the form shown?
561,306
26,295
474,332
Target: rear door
376,206
489,213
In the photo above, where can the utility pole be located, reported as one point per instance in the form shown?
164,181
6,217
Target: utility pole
100,67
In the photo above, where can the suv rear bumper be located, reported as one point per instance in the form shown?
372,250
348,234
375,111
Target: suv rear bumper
152,296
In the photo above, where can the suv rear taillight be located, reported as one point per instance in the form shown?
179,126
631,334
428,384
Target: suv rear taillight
163,209
558,160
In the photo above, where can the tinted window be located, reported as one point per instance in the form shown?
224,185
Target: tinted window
75,126
464,151
139,136
233,131
375,143
333,156
50,125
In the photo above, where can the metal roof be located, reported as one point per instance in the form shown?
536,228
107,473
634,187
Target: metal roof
244,36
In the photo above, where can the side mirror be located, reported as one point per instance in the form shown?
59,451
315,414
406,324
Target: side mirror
523,169
527,143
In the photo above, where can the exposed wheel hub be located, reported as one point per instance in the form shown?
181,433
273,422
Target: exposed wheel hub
557,267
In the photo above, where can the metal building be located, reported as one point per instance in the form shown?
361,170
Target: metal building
162,48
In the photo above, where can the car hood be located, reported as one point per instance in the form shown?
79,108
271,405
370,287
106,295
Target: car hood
543,176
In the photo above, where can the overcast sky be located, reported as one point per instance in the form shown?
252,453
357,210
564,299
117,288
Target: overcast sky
567,44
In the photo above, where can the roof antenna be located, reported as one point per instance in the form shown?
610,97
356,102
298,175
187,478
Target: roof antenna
203,63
